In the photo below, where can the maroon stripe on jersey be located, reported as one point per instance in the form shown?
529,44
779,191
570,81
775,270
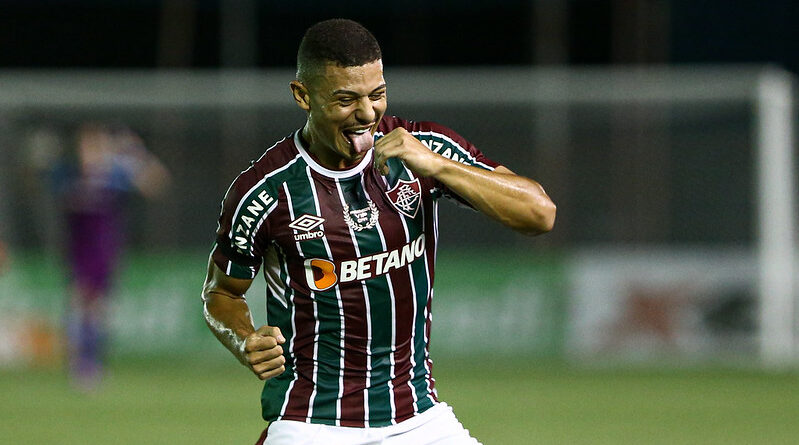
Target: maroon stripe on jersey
427,325
274,158
262,439
430,252
403,323
356,338
300,395
353,303
404,315
431,239
356,330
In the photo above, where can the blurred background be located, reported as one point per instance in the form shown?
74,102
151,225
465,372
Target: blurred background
662,129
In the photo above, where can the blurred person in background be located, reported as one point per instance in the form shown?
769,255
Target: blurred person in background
342,215
92,184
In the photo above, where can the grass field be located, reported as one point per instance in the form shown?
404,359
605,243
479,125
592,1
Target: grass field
161,402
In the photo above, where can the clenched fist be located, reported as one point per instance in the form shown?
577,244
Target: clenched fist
263,352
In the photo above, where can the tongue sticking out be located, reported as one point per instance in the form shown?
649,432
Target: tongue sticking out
361,142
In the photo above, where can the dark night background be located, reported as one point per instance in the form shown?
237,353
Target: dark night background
128,35
142,34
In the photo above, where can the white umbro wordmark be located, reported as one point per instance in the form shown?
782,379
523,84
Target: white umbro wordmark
305,224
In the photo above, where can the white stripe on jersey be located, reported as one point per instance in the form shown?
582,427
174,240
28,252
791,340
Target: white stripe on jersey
428,361
368,318
228,268
339,300
287,395
392,357
415,307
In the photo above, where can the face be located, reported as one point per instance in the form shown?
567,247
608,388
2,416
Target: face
342,103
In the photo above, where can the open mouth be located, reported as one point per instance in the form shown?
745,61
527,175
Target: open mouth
355,133
361,139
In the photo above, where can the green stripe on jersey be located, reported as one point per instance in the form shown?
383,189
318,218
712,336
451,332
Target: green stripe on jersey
381,313
275,390
327,304
421,284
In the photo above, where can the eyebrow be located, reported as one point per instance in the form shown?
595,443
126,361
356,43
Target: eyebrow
353,93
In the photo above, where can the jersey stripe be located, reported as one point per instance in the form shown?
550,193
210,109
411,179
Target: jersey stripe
428,314
399,393
279,315
323,360
408,351
300,393
357,400
422,283
367,242
331,325
424,369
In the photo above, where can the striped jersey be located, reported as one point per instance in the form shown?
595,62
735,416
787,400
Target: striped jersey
348,259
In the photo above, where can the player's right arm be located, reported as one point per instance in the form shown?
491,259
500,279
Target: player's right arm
228,316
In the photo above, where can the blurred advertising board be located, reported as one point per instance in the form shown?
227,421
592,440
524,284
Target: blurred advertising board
490,303
649,304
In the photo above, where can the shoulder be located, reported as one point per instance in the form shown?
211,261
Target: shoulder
423,130
389,123
275,159
441,140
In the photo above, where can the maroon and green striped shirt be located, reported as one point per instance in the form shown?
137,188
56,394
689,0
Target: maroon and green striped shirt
349,262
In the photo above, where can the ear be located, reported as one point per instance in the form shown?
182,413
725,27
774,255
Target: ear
301,95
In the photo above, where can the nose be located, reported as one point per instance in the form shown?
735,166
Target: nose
365,113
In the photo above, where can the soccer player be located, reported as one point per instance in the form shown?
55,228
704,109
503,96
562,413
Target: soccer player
108,164
342,216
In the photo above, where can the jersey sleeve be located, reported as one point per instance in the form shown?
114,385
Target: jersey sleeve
242,216
451,145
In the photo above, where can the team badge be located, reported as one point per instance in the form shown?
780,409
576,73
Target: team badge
406,197
361,219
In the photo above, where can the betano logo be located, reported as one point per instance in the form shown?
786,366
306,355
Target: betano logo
321,274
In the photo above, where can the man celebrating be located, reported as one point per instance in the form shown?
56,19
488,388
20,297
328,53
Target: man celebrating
343,216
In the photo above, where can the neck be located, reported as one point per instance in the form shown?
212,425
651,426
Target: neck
325,156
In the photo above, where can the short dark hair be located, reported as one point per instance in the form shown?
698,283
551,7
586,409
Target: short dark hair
343,42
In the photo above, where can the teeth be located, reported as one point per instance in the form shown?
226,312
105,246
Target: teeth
361,131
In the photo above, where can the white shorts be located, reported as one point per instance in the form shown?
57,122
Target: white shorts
436,426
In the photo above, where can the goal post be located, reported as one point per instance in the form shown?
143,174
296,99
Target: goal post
777,216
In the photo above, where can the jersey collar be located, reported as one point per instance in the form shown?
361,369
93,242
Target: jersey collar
335,174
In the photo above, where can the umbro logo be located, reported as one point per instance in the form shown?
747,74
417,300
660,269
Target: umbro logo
304,227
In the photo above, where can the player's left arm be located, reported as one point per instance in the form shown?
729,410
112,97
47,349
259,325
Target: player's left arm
515,201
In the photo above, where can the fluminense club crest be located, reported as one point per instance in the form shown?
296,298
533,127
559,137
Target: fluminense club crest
406,196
